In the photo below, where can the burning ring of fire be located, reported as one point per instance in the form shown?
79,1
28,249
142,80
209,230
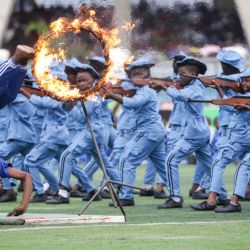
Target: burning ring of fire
44,55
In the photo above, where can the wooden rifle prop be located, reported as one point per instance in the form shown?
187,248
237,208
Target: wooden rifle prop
32,91
232,101
154,83
123,92
210,81
117,89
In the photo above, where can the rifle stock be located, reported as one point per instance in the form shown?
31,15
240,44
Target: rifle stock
210,80
154,83
33,91
119,90
232,101
123,92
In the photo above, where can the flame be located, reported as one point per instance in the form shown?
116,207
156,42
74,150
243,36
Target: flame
44,55
119,57
128,26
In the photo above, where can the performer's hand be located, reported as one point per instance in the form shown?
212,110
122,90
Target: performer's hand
25,93
68,105
106,92
103,93
157,86
71,104
214,85
242,107
17,211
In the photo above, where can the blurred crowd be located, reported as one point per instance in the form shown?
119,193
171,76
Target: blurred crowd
183,27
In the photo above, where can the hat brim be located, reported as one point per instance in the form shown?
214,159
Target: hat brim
148,66
93,73
201,66
97,62
69,70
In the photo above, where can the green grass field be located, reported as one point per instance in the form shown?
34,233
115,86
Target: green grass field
146,226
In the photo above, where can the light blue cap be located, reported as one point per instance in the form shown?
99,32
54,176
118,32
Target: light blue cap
29,75
234,77
141,62
189,60
72,63
183,54
245,73
57,66
59,74
232,58
88,68
99,59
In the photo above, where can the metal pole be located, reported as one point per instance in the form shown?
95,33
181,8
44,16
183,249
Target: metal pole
101,164
107,180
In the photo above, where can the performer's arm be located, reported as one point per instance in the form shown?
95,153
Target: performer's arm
27,190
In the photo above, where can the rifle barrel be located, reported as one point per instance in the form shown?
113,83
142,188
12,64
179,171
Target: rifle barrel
28,80
125,80
192,100
193,77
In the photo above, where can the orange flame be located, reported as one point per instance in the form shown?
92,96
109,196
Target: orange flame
59,89
128,26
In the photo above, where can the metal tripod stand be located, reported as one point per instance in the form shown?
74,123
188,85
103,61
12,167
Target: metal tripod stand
107,182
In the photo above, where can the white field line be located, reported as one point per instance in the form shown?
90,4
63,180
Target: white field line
189,237
120,225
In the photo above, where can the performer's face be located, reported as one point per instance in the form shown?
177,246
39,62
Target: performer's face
84,81
139,73
184,80
99,67
228,69
246,84
72,79
71,75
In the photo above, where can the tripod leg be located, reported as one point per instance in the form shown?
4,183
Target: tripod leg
90,201
127,185
106,178
111,191
119,205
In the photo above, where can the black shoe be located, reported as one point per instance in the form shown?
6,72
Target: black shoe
160,195
125,202
39,198
203,206
77,193
136,191
171,203
57,199
247,196
105,194
190,192
1,188
91,194
50,193
230,208
149,192
222,202
200,194
20,187
8,195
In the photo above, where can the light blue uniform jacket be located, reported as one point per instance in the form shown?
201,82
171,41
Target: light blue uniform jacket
54,129
195,124
20,127
144,105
